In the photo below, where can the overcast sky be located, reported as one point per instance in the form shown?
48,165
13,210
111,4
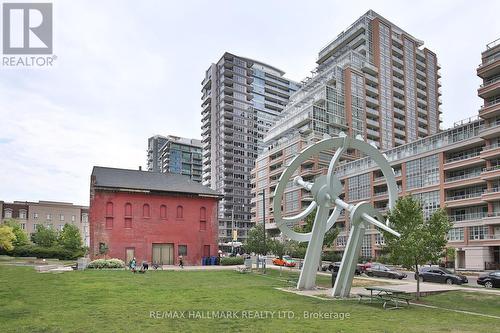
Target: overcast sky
127,70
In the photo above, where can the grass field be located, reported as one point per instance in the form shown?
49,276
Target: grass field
116,301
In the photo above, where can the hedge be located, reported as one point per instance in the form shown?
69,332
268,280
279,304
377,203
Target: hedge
55,252
106,263
228,261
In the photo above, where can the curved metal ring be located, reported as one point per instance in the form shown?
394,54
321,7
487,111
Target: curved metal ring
281,221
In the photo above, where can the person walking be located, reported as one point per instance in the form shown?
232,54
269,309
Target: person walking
132,265
181,262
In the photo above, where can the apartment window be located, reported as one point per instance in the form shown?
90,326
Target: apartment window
180,212
73,218
8,213
61,226
366,247
22,214
379,239
183,250
23,226
291,201
359,187
478,232
422,172
456,234
163,211
35,226
61,217
341,240
49,217
430,202
35,216
85,218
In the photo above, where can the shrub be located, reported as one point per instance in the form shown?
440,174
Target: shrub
228,261
331,256
55,252
106,263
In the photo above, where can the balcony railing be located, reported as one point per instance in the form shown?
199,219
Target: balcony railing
461,177
463,157
492,190
464,196
467,217
490,81
491,168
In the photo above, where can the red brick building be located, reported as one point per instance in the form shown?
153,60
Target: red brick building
155,217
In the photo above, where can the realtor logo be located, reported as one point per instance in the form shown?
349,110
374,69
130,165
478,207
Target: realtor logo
27,28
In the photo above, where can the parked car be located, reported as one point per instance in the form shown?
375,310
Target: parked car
380,270
334,267
440,275
286,261
490,280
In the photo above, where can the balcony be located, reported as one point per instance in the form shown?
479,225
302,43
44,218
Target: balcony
490,109
491,194
490,130
464,200
490,151
489,88
490,67
464,160
467,179
467,217
370,101
491,172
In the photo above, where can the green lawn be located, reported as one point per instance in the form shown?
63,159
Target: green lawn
466,301
116,301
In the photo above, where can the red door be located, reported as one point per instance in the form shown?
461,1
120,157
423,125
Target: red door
206,250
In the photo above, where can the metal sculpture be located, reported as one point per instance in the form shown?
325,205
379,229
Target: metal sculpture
326,190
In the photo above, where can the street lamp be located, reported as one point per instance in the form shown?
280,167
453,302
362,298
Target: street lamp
263,193
233,228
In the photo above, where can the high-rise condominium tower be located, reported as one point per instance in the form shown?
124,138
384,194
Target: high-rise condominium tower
374,80
241,99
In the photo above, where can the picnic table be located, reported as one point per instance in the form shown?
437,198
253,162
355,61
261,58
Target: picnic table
387,296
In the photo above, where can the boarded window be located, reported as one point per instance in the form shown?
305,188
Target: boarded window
180,212
128,209
183,250
109,222
203,214
163,211
109,209
146,212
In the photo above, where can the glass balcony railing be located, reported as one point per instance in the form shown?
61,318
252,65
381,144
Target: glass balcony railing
462,157
461,177
467,217
464,196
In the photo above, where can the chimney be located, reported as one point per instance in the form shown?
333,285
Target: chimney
140,168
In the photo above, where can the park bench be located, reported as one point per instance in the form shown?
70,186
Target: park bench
387,296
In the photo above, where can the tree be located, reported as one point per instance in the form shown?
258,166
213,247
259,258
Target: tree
7,236
70,238
450,254
44,237
103,249
255,240
21,237
421,241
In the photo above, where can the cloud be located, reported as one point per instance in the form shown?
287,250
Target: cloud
127,70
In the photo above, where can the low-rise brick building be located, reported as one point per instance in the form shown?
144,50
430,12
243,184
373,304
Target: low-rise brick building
154,217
